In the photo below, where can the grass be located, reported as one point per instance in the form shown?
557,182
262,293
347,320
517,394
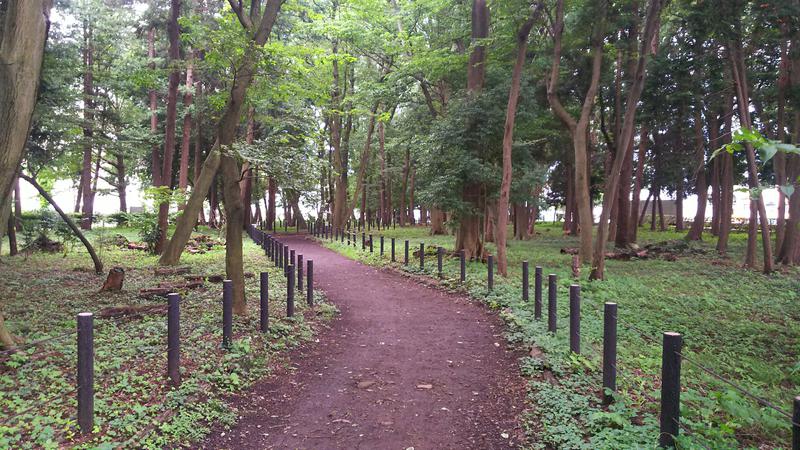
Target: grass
738,323
135,406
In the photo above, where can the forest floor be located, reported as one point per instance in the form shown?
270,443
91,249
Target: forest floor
403,366
738,323
135,405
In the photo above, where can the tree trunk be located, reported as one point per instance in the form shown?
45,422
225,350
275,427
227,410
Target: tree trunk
635,220
98,265
625,140
508,143
155,154
88,126
578,128
640,221
522,221
173,31
696,230
273,189
23,33
234,214
468,237
404,188
122,183
411,195
246,185
743,96
437,222
183,172
198,147
12,235
679,193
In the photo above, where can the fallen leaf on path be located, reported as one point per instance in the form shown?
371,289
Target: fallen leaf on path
365,384
424,386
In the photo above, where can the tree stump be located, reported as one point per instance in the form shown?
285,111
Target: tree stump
116,277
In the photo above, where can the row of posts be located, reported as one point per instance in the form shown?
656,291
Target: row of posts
671,342
85,322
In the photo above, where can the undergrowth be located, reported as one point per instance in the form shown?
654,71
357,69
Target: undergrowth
738,323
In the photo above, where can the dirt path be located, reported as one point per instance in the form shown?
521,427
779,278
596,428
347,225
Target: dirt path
404,365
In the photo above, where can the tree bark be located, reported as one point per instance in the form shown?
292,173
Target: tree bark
468,237
625,140
701,188
578,128
98,265
186,140
23,34
173,31
155,154
226,134
743,100
636,221
88,126
501,234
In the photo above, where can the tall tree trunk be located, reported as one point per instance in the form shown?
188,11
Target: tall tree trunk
701,188
173,32
17,206
23,33
88,126
411,195
743,100
468,237
226,133
508,144
198,147
578,128
522,221
404,188
437,222
635,221
155,154
186,140
122,183
679,193
246,185
273,189
625,140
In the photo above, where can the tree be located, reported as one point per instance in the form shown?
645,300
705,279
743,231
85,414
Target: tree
258,25
23,33
578,129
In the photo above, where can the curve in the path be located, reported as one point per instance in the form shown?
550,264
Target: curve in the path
404,365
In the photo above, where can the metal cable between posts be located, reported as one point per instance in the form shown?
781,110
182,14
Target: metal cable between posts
22,348
10,419
760,400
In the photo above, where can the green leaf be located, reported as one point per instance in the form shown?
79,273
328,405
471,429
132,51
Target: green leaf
768,151
787,190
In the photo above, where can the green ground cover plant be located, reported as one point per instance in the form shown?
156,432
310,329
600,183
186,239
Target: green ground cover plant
135,406
740,324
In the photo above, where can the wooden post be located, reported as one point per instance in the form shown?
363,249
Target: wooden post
421,256
490,274
393,256
86,372
264,302
463,257
439,254
575,318
300,273
609,351
670,388
525,281
227,313
537,293
174,339
310,283
551,302
406,258
290,291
